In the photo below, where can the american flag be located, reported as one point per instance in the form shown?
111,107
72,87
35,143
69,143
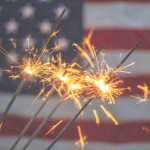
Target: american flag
119,24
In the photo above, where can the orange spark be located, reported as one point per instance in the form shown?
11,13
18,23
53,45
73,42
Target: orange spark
146,92
109,115
81,138
89,46
96,117
0,126
53,127
13,43
145,89
42,91
84,53
145,128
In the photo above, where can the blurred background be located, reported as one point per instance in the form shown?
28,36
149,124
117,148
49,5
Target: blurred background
119,24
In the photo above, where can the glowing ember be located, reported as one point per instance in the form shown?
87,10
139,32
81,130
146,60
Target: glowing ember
145,89
146,129
0,126
146,92
109,115
81,138
96,117
53,127
13,42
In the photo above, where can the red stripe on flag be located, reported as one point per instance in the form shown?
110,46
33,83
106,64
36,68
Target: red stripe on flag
133,82
129,132
120,39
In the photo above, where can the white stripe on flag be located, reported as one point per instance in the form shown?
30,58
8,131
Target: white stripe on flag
124,109
116,15
37,144
114,57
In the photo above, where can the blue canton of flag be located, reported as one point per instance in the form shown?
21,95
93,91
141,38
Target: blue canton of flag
19,19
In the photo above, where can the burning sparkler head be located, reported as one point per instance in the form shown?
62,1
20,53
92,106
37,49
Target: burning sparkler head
102,86
28,71
72,86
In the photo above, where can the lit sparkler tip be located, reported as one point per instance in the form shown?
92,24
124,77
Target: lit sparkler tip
73,86
28,71
102,86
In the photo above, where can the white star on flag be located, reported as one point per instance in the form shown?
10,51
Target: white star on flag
45,27
14,55
11,26
27,11
27,44
63,42
59,10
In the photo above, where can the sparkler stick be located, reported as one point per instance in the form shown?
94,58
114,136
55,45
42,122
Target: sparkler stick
86,104
33,118
95,56
44,121
79,112
26,76
52,90
54,109
126,57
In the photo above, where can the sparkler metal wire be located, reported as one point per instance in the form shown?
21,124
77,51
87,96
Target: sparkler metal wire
92,97
52,90
36,61
57,105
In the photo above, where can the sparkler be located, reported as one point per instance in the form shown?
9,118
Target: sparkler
48,96
51,113
35,63
109,115
92,97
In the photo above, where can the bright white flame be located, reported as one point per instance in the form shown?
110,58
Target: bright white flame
73,86
101,85
28,71
62,78
87,77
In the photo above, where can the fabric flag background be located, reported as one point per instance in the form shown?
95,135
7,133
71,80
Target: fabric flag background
119,24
